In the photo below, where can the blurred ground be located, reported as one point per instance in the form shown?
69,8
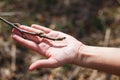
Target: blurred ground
91,21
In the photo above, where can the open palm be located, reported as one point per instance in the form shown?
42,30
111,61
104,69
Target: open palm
57,53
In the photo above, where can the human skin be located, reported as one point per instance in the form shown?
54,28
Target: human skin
101,58
67,51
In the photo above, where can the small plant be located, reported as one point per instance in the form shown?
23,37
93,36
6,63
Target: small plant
40,34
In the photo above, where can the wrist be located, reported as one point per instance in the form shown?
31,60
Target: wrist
82,56
79,56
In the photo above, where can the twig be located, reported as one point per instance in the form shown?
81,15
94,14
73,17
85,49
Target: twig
106,43
42,35
10,13
107,37
13,61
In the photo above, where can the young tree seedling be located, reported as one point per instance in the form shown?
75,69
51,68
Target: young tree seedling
41,34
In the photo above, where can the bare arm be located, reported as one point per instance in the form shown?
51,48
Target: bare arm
68,51
101,58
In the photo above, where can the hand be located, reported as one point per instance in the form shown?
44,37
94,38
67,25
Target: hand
57,53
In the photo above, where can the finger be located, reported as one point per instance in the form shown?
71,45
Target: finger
46,63
25,42
14,31
30,29
28,36
53,34
44,29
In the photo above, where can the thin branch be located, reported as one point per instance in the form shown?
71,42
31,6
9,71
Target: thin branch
10,13
42,35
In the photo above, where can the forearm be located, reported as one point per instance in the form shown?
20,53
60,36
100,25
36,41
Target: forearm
101,58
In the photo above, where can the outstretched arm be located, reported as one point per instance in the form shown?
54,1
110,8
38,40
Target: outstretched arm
57,53
68,51
101,58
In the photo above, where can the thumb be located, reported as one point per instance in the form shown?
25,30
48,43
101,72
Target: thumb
46,63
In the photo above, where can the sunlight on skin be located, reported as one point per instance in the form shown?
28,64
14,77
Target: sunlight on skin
67,51
57,53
